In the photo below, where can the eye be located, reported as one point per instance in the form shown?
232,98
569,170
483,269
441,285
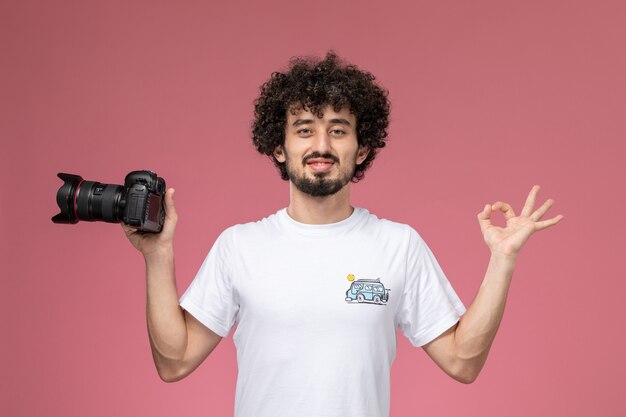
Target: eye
337,132
304,132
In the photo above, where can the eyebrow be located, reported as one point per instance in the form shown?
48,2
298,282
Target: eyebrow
300,122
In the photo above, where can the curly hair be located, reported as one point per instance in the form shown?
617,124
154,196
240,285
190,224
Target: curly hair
312,84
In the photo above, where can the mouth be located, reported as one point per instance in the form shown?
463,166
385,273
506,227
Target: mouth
320,164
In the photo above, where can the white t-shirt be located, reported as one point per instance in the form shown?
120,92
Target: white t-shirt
317,307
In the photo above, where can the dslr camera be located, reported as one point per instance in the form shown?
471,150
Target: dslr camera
138,203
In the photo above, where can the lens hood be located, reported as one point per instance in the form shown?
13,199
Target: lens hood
65,198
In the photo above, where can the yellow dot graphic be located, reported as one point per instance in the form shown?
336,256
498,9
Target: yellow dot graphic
350,277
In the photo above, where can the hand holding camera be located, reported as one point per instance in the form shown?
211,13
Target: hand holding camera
156,243
142,205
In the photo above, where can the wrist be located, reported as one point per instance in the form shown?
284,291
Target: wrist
159,255
503,260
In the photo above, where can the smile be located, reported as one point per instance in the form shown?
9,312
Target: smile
320,164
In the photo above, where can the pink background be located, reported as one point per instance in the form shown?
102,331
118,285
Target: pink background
489,97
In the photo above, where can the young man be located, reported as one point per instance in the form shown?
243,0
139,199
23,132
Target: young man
318,289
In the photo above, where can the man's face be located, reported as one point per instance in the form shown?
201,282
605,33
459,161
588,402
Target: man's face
321,154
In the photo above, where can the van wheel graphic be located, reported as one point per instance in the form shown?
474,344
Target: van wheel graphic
360,298
377,299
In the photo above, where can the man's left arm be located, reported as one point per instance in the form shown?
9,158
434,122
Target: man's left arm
462,350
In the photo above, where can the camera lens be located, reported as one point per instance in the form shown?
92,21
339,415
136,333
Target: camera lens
88,201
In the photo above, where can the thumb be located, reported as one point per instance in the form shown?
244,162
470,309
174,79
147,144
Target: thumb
169,199
170,209
170,215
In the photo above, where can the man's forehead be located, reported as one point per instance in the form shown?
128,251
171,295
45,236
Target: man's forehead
326,112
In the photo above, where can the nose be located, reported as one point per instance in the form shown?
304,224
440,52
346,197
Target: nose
321,143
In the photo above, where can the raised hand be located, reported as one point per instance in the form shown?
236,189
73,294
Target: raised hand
149,243
510,239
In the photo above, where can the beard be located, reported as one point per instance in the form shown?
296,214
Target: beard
319,185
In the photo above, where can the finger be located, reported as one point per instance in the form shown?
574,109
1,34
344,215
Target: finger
538,214
547,223
484,218
128,230
505,208
530,201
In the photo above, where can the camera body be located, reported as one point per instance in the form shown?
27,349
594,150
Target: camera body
144,201
138,203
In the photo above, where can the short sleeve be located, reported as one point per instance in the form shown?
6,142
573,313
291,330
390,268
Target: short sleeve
210,297
429,305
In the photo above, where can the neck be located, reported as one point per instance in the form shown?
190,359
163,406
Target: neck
306,209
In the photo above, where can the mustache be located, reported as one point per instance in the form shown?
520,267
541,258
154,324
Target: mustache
320,155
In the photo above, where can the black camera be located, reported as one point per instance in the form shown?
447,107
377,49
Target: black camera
139,203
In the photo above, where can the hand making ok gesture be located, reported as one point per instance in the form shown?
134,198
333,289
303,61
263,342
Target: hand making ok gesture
510,239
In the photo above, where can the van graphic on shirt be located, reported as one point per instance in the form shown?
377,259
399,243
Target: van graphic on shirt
367,291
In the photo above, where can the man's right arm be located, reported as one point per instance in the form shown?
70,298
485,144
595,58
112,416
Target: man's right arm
178,341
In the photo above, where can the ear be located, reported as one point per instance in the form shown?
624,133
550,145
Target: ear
362,154
279,154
